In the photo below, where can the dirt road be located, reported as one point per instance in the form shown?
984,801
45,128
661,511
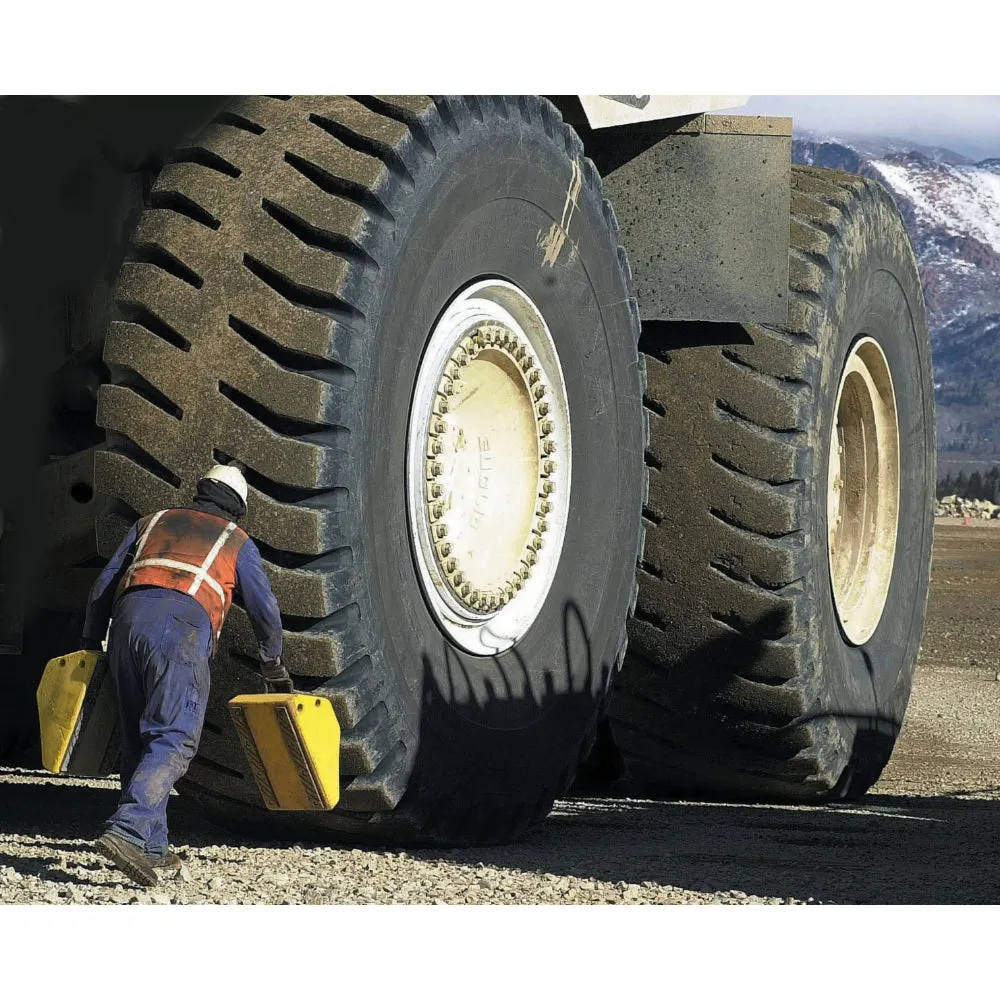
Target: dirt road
926,834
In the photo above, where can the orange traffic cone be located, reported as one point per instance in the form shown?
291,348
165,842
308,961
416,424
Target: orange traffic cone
965,521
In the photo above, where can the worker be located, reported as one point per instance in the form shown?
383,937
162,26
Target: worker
166,592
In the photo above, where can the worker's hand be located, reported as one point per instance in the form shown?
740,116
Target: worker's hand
276,679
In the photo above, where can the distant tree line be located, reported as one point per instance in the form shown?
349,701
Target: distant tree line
974,487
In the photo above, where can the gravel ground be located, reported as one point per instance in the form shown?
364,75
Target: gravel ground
925,834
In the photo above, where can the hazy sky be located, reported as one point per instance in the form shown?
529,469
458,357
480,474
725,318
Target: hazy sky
967,125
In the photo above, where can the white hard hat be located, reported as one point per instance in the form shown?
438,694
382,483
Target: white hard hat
230,476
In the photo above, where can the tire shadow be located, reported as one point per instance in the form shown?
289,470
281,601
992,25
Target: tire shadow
884,849
63,814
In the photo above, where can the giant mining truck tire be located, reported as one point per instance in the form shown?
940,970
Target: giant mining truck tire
413,324
789,523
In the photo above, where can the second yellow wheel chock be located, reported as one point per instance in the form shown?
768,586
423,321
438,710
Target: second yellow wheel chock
292,743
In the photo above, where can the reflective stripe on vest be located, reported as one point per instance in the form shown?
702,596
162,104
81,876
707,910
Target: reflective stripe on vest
184,568
202,573
188,534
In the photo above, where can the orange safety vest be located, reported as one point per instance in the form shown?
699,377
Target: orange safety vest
189,551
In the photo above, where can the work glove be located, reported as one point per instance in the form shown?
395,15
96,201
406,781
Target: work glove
276,679
93,646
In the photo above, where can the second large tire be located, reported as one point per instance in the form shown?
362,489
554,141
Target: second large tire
283,284
742,678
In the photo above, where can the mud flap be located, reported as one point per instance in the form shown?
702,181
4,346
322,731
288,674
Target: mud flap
78,715
292,743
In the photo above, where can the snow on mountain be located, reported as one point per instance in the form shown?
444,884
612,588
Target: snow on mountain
874,148
961,200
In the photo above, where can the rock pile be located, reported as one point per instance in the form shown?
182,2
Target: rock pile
956,506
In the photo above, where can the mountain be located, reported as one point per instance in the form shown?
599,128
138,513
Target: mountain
951,208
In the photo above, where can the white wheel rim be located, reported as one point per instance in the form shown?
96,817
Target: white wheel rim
863,491
488,466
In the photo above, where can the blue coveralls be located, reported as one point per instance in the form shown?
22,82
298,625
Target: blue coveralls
159,649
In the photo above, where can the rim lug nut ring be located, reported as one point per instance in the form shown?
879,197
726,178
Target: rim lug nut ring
518,347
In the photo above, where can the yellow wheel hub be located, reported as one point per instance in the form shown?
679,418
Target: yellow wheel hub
863,491
489,470
488,466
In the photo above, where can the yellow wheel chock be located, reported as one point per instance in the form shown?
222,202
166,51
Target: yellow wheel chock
292,743
78,715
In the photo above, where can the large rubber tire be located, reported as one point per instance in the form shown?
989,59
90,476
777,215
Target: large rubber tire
739,680
283,285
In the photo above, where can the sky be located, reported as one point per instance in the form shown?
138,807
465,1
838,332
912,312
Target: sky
967,125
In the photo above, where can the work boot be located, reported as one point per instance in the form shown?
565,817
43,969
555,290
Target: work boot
169,863
127,858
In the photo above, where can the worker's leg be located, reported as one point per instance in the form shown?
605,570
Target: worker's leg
176,682
125,664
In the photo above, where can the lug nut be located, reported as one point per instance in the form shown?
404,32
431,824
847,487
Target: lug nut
548,467
539,391
549,446
450,566
545,507
548,487
441,530
444,549
543,408
546,427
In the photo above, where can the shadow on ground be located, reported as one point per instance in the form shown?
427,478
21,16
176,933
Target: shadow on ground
887,849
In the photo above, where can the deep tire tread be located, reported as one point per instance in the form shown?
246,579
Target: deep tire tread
673,733
296,312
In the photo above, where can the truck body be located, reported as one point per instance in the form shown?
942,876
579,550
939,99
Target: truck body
586,435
